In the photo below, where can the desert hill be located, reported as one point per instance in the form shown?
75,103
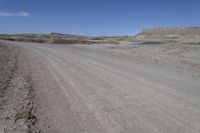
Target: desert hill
171,31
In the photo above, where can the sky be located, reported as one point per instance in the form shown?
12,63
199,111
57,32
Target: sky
96,17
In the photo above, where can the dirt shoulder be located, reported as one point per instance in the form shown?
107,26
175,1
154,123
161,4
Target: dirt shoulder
16,98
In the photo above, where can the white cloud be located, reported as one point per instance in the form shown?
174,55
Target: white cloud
23,14
19,14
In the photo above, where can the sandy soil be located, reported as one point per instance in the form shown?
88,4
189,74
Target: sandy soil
101,89
184,55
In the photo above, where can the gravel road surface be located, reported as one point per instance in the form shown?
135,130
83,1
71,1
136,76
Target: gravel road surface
79,90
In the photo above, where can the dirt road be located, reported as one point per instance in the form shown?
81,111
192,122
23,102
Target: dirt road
79,89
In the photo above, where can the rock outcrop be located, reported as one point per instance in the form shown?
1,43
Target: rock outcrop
172,31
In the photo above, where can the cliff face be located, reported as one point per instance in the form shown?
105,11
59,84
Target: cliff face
172,31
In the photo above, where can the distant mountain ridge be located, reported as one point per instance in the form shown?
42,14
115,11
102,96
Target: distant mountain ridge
171,31
63,35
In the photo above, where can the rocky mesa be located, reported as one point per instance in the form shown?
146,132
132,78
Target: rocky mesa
171,31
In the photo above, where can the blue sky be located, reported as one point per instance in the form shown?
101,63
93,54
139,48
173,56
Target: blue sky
95,17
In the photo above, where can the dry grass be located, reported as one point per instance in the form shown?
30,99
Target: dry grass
48,38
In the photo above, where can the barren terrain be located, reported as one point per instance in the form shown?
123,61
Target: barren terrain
16,97
132,88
